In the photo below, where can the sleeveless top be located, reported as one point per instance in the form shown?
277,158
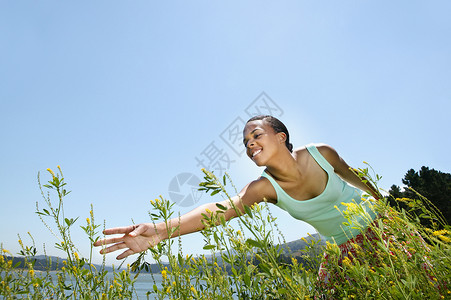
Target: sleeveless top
321,212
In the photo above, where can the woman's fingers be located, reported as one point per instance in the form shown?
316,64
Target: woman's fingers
125,254
115,247
109,241
138,230
119,230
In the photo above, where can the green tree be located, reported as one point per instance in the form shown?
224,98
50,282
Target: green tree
432,184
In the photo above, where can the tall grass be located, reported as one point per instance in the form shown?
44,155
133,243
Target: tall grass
247,261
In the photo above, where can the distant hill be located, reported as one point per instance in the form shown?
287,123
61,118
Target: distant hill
294,249
45,263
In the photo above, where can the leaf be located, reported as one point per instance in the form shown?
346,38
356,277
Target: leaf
209,247
247,279
220,206
248,210
254,243
215,192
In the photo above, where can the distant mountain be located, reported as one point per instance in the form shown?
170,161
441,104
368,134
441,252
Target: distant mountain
294,249
46,263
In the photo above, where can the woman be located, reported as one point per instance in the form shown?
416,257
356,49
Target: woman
310,183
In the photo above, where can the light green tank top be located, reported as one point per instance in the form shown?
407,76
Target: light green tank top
320,212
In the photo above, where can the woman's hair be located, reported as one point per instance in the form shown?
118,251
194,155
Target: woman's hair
277,125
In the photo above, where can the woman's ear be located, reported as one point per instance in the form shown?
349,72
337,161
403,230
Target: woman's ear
282,137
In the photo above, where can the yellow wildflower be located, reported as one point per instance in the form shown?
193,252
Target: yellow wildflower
347,262
76,256
444,238
164,273
303,238
193,290
239,233
440,232
88,221
51,172
6,251
31,272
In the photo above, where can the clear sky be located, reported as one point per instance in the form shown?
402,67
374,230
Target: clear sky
128,95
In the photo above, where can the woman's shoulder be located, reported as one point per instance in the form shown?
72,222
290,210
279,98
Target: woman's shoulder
327,151
322,148
260,188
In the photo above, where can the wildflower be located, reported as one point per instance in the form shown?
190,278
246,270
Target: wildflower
193,290
303,238
347,262
6,251
444,238
239,233
117,283
403,199
76,256
31,272
440,232
174,283
51,172
1,259
208,211
164,274
294,261
88,221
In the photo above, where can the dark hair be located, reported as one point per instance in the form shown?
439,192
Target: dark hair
277,125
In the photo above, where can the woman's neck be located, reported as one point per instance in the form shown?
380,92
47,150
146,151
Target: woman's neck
285,168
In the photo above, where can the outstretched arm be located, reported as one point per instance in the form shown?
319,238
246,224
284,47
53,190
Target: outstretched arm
138,238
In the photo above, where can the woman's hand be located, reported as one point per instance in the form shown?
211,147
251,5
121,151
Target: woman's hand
135,239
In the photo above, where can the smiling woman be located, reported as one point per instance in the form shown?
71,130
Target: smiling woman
309,182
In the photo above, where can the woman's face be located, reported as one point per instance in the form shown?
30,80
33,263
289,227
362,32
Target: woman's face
261,141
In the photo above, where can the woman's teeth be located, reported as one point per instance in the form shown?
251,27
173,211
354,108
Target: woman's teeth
256,152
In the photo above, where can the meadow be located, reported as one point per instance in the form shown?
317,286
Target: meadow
247,261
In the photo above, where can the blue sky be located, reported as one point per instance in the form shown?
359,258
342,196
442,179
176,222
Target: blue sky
126,95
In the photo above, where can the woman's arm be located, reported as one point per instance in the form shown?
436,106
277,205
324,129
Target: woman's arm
344,170
138,238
